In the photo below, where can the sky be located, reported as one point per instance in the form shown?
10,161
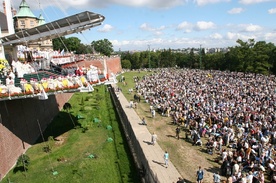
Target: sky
162,24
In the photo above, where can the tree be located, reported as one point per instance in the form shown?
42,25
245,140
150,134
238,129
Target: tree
59,43
135,61
167,58
245,54
155,59
72,44
181,60
231,58
23,162
261,61
84,49
104,47
192,59
272,59
126,64
68,44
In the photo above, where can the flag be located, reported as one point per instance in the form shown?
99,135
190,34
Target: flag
62,52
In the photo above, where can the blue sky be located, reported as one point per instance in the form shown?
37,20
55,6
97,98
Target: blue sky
163,24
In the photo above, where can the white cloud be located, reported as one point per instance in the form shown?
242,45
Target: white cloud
272,11
202,25
156,4
186,26
88,4
235,36
235,10
204,2
270,36
158,33
147,27
105,28
250,27
254,1
216,36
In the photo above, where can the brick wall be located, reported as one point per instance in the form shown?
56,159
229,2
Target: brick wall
113,64
19,127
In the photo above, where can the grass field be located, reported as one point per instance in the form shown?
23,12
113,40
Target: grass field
83,144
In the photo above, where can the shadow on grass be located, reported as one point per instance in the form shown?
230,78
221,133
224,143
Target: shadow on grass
61,123
186,181
19,169
204,150
171,123
213,170
172,136
215,160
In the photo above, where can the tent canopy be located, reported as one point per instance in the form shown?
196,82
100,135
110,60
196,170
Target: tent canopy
69,25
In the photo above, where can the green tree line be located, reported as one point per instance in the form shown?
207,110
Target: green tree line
73,44
249,56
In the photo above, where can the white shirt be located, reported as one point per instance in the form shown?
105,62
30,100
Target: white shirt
243,180
246,145
236,168
249,178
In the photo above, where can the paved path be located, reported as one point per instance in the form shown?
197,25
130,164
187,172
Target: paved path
154,154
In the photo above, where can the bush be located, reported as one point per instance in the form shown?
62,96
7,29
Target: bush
23,162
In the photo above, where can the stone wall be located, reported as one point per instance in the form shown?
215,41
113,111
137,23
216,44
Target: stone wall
19,125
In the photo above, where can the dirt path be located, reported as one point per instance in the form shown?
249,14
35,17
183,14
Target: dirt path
185,157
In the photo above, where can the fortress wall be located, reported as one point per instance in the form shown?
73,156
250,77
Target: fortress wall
113,64
19,127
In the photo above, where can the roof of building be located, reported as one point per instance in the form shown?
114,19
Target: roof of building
24,11
41,20
3,22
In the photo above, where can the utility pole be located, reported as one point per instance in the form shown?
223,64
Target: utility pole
149,55
200,60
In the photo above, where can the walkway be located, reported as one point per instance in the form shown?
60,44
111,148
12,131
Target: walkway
154,154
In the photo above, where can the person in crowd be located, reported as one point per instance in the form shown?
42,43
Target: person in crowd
144,121
153,138
177,132
180,180
199,175
166,159
216,177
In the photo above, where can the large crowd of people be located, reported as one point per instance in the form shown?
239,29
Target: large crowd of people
79,76
235,112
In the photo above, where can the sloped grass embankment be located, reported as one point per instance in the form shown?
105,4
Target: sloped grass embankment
82,144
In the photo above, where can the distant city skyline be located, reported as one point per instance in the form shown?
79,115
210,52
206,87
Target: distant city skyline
163,24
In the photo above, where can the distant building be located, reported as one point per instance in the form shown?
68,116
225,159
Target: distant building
3,31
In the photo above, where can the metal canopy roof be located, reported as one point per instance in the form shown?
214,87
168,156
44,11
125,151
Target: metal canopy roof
69,25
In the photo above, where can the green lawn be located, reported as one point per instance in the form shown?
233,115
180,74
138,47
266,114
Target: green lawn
90,146
129,79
